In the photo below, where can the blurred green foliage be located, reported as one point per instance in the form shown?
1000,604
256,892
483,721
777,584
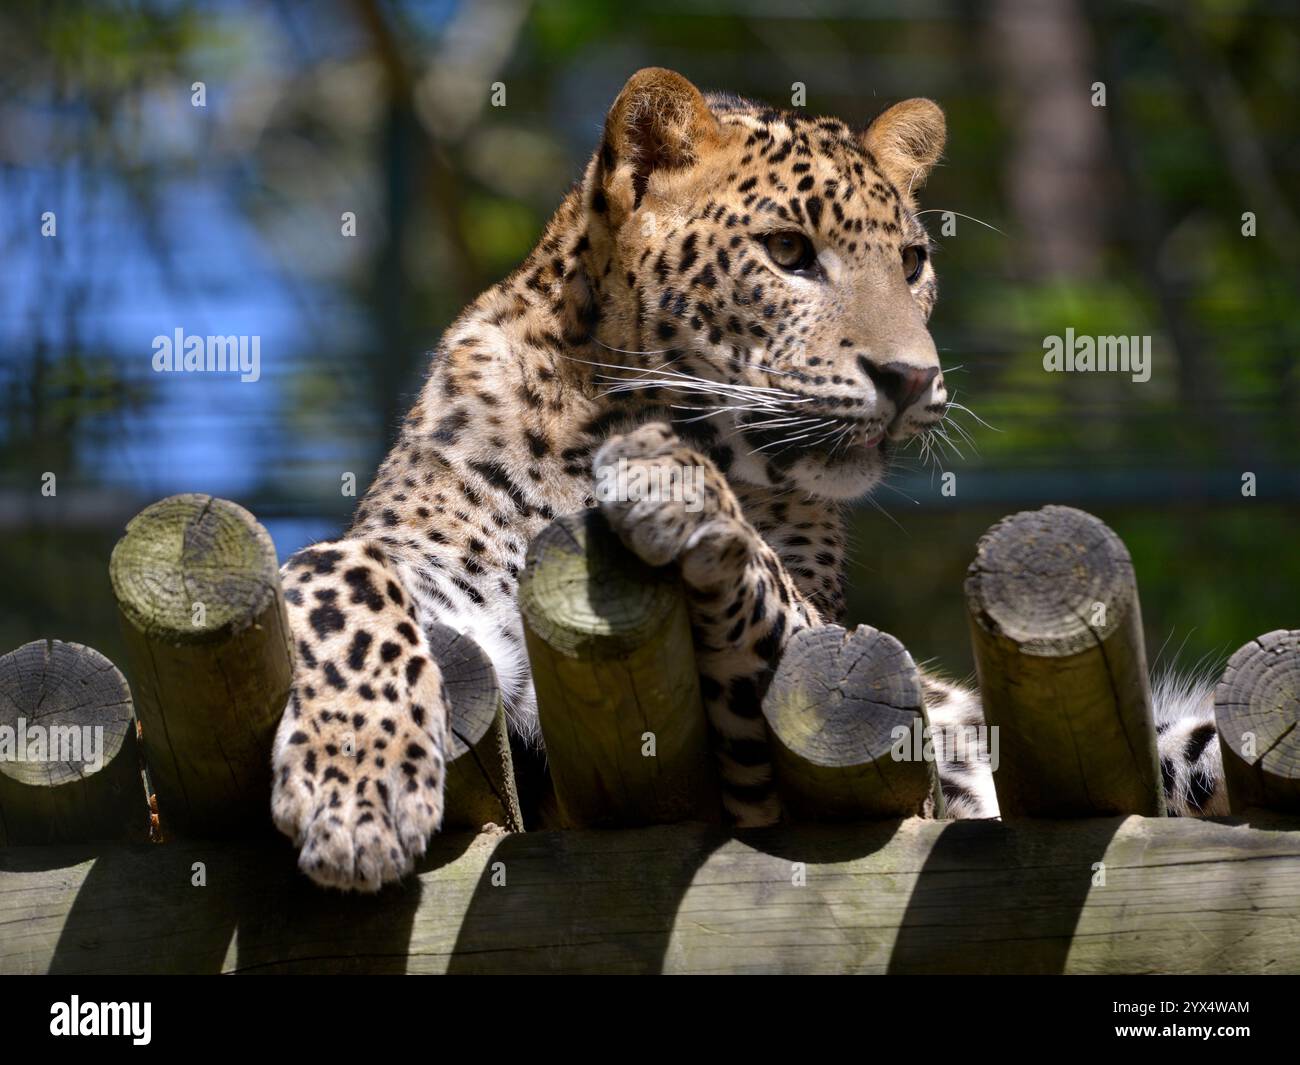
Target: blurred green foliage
1124,219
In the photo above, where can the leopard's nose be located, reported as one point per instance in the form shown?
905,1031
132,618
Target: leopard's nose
902,383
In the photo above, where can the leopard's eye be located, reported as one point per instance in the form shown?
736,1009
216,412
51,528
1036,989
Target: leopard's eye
790,250
914,262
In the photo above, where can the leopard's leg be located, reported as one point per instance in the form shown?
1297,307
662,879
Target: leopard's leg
743,605
360,753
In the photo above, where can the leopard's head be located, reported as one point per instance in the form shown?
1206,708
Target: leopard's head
769,270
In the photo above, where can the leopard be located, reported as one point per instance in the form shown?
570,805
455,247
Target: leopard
731,289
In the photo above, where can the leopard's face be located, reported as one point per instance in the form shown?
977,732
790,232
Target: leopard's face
779,280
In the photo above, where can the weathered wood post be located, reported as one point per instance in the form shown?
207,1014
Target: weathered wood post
198,588
1057,634
480,774
1257,711
846,721
69,764
617,690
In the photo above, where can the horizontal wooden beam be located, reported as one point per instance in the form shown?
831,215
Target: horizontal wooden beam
1112,895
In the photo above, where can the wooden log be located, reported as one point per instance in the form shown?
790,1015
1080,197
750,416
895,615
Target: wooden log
614,670
69,761
480,776
198,589
1057,634
843,712
1257,711
916,896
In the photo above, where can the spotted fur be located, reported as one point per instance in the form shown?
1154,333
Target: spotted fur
663,322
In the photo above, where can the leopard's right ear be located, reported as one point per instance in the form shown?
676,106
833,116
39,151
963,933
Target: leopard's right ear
660,121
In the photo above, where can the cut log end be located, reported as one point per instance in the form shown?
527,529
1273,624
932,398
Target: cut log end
842,712
1052,581
193,568
1257,711
582,589
69,765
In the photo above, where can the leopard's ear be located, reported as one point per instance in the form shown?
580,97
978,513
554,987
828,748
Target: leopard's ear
660,121
907,140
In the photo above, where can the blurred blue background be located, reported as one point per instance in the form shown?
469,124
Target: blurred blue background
226,219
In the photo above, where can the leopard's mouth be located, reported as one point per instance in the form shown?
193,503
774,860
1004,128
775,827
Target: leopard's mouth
859,451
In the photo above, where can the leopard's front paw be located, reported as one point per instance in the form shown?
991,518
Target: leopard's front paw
359,817
669,503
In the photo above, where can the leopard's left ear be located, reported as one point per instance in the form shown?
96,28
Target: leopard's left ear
907,140
660,121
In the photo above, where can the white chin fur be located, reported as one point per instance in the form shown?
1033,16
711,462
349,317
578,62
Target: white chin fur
843,480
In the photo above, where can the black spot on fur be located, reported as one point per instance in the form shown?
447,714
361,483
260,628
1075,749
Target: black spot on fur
450,424
334,677
413,670
537,444
320,561
743,698
358,649
1167,775
1197,742
363,591
326,619
1200,789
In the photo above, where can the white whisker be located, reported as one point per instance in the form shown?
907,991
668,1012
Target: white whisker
940,210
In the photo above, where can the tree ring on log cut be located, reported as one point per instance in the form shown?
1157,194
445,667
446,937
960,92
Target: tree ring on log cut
848,692
1054,581
1257,711
599,598
69,754
194,549
835,710
65,685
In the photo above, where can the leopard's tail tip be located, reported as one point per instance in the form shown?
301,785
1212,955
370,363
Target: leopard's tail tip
1191,764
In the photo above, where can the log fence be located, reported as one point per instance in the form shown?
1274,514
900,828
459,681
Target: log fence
1056,629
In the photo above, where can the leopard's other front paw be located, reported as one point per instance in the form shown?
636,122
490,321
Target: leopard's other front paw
358,759
668,503
360,817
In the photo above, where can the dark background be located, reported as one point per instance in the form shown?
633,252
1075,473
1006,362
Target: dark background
1124,219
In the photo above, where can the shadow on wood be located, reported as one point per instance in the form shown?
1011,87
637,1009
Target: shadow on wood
896,896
